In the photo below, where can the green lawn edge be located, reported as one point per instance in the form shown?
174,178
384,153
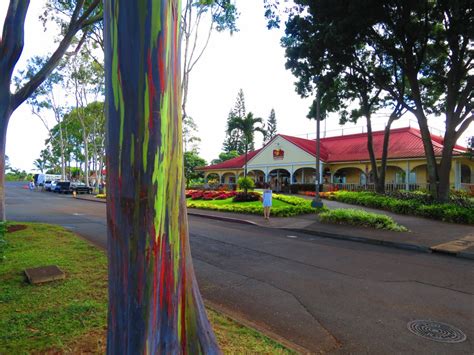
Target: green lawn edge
70,315
283,206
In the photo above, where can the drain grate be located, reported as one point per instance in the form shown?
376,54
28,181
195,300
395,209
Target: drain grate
436,331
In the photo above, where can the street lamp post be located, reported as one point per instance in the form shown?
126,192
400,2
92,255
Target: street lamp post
317,203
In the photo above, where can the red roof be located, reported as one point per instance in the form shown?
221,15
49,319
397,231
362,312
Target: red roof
234,163
308,146
404,143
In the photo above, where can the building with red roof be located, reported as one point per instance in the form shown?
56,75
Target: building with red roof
345,161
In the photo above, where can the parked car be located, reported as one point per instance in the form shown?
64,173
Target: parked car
80,188
62,187
47,185
50,184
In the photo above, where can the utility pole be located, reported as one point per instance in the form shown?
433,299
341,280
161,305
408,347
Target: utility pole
317,203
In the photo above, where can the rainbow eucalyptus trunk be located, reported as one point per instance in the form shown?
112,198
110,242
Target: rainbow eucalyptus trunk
154,301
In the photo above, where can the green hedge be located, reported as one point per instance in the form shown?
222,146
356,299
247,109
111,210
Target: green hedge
361,218
448,212
277,211
296,209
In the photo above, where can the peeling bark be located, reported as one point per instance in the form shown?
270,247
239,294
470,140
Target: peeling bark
154,301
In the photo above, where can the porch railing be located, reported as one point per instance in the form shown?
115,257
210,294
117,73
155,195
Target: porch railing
371,187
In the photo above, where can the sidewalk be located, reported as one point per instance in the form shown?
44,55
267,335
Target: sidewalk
424,235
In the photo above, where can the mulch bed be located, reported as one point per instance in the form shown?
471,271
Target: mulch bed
16,227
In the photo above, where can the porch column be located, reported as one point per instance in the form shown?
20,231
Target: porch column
266,174
321,172
457,175
407,176
291,174
302,176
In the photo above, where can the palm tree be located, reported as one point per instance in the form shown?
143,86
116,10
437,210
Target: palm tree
246,125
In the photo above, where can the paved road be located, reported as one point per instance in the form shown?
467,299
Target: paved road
324,295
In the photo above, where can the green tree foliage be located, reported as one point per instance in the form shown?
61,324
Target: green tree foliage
233,140
270,127
78,15
190,139
73,132
191,161
246,184
225,156
247,127
422,57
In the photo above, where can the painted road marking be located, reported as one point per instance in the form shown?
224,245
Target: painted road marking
456,245
78,214
292,236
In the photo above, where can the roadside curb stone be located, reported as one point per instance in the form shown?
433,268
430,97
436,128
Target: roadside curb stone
469,255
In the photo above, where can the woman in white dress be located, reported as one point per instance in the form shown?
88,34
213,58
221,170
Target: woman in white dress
267,201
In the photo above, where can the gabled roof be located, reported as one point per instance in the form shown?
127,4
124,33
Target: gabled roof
309,146
234,163
403,143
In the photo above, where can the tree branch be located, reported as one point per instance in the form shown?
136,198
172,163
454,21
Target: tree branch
21,95
12,41
463,127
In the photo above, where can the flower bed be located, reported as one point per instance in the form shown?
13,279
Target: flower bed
360,218
288,206
209,194
448,212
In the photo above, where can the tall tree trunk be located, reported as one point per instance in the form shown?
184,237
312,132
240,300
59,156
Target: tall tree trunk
380,187
154,301
445,166
373,160
63,158
431,163
4,118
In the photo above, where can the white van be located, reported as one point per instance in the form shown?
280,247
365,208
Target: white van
41,178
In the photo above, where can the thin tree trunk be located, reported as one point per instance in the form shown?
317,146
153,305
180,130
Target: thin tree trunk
380,187
154,302
431,163
370,148
445,167
4,118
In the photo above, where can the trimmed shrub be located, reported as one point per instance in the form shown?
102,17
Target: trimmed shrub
286,211
411,203
361,218
292,200
246,183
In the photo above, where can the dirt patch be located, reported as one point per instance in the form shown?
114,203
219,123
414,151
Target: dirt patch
93,342
16,227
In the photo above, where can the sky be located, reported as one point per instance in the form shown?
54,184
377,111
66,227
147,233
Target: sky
250,59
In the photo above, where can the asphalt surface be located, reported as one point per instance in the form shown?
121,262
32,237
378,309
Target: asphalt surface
321,294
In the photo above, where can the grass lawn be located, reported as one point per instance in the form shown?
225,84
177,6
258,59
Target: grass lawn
228,201
282,206
70,315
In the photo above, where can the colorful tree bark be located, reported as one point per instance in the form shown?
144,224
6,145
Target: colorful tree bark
154,302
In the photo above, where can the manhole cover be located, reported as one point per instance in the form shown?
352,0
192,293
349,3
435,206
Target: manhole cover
436,331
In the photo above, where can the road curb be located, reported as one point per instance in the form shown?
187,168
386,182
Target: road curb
461,254
243,321
101,200
222,218
397,245
387,243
